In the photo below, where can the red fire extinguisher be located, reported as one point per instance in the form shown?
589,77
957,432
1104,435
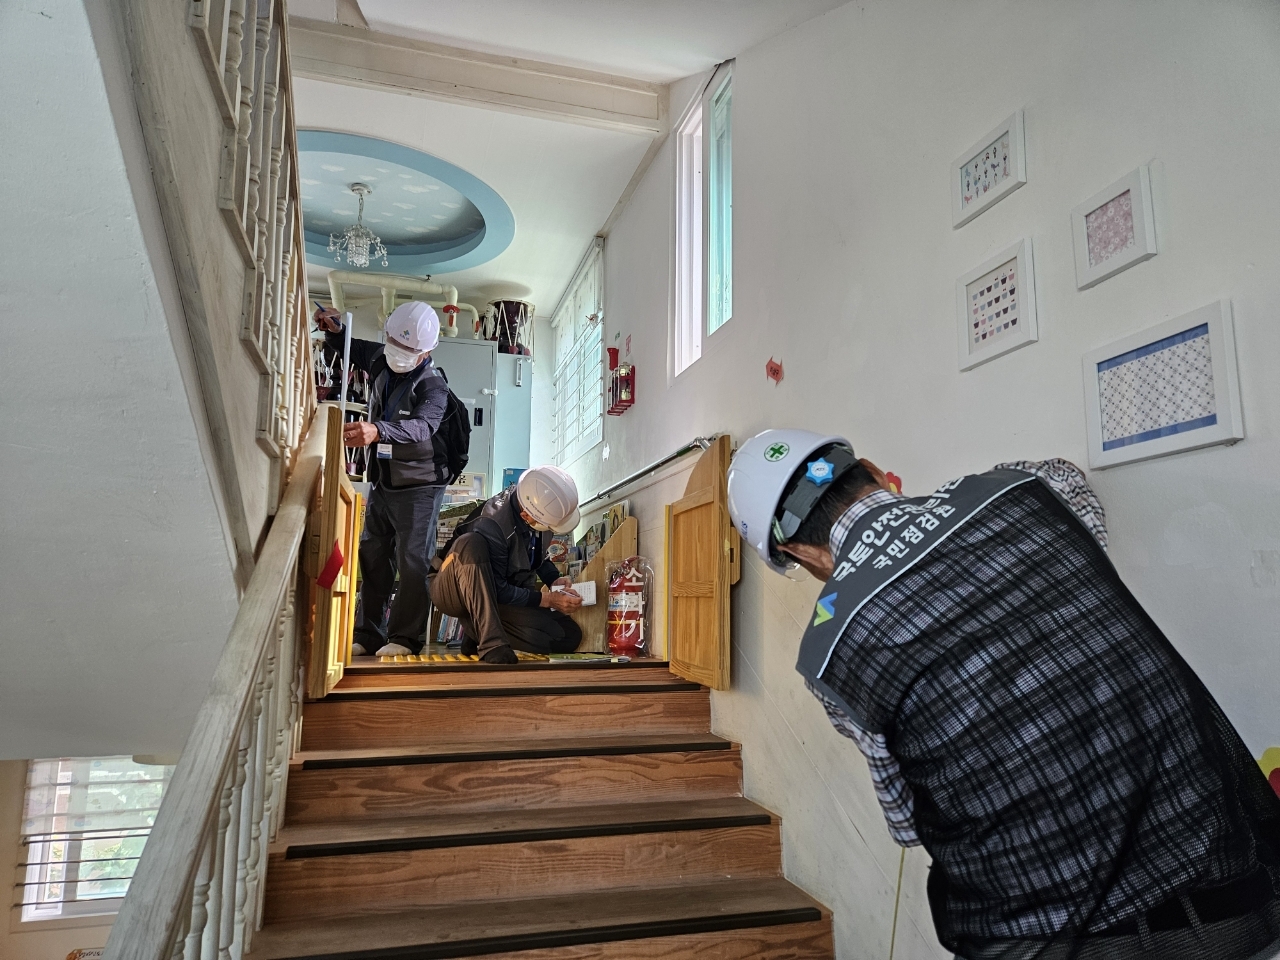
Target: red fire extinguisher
625,630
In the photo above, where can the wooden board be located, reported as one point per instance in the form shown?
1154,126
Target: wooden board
703,562
771,920
650,773
624,543
404,722
315,888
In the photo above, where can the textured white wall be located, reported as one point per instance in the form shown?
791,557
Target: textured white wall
115,579
845,264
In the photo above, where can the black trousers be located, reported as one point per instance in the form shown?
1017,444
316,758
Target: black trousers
464,589
399,534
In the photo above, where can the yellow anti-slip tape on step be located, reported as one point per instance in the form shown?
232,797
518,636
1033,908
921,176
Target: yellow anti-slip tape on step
446,658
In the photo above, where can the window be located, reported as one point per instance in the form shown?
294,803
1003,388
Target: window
720,208
704,220
84,824
688,312
579,381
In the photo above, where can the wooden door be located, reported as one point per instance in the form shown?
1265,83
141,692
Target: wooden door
336,522
703,562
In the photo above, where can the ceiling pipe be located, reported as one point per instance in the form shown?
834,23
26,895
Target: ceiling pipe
390,284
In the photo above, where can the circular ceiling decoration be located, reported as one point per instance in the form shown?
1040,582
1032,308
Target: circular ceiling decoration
432,217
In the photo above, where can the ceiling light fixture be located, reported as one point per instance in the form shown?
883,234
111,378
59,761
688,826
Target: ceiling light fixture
358,240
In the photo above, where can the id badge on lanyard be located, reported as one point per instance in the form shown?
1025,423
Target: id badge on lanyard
384,451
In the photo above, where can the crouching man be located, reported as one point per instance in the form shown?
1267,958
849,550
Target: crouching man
489,576
1082,795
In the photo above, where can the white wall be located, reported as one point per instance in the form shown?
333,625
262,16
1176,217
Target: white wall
845,265
116,590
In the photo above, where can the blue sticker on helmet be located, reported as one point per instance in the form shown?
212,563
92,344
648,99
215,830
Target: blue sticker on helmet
820,471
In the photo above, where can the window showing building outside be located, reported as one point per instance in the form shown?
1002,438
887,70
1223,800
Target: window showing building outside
85,822
579,379
720,208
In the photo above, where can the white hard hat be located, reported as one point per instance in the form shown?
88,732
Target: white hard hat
761,475
415,325
550,496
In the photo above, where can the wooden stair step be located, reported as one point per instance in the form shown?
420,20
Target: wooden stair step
345,838
766,919
521,674
399,718
363,868
445,778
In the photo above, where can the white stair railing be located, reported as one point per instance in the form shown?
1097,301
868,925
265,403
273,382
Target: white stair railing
198,891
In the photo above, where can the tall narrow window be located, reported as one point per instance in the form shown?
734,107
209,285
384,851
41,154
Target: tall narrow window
578,322
687,338
84,824
719,203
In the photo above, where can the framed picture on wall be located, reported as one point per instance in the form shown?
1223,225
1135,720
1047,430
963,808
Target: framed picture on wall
988,171
1169,388
996,306
1114,229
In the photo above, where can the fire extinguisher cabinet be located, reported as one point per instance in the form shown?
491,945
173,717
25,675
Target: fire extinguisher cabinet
622,384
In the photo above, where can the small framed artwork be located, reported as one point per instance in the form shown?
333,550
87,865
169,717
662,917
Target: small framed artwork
1114,229
988,171
996,306
1169,388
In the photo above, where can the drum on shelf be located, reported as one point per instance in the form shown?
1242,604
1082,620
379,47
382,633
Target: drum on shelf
510,322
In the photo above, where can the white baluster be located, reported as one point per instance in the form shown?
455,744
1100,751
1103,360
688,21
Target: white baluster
200,898
231,862
213,929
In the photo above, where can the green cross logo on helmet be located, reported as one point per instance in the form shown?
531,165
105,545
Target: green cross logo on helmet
775,452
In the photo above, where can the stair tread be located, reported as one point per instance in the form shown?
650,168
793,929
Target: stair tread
374,667
547,686
516,825
582,675
478,928
445,751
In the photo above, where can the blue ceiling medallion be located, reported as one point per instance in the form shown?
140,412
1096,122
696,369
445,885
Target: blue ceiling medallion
820,471
432,216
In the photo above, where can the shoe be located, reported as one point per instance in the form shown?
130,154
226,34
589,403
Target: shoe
469,647
358,650
394,650
503,654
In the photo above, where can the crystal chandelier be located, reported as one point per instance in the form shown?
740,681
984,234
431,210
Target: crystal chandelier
358,240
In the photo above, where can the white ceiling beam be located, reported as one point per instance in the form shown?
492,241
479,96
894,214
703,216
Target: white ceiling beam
365,58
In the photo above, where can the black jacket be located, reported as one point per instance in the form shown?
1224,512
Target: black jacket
422,395
516,550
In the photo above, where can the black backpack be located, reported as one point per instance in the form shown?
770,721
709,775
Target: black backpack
455,432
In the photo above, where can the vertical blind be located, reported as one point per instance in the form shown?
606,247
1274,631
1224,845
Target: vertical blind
579,377
85,821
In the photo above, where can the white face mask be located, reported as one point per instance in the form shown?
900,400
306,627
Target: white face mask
401,360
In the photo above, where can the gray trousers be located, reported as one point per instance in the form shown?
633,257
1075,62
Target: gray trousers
399,535
464,589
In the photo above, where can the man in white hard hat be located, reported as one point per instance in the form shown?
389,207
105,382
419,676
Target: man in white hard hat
490,573
1080,792
408,468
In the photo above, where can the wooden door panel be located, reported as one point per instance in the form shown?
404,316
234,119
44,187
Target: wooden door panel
337,522
702,565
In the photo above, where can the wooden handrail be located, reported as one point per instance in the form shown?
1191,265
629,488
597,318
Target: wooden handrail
152,915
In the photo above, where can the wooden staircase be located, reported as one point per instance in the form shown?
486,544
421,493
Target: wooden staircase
530,812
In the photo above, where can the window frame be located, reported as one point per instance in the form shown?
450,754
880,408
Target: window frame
691,333
41,859
721,85
690,259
